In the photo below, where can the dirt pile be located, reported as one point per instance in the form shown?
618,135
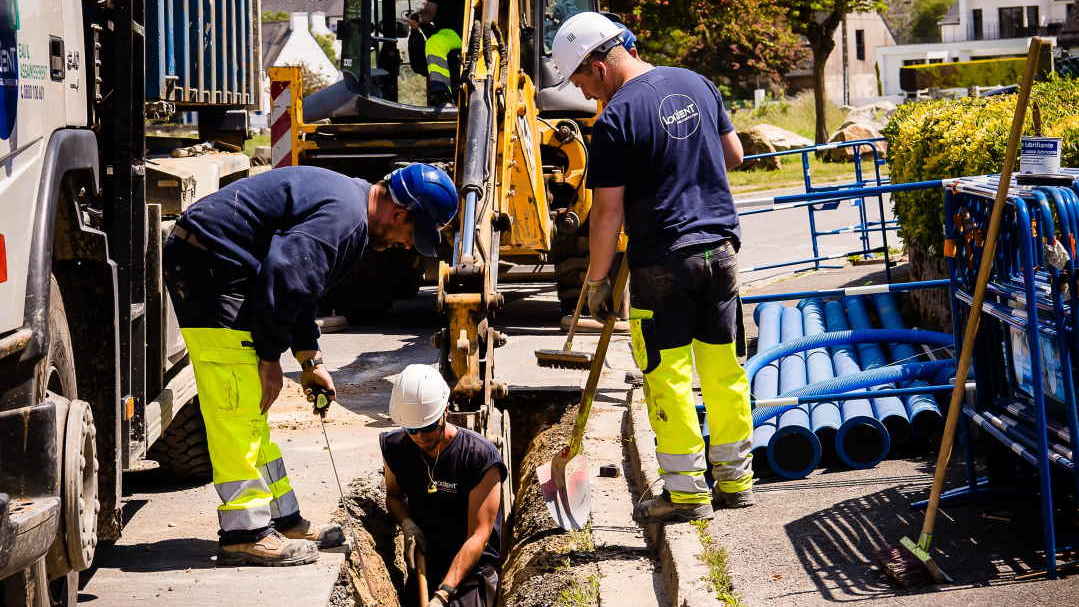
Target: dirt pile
546,566
373,575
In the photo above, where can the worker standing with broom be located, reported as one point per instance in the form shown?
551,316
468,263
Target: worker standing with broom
658,162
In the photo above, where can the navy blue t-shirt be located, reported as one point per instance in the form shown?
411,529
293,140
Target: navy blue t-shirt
443,515
295,231
660,138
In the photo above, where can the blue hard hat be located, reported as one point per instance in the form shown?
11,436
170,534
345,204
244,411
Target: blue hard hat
628,39
431,198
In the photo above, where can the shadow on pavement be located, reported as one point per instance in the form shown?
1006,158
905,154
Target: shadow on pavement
166,555
836,546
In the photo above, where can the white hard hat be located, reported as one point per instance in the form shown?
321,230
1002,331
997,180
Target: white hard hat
419,397
578,37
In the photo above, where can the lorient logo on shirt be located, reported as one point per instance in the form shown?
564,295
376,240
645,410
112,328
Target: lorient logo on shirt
446,487
679,115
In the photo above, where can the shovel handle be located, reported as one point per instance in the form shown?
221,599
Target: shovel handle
421,576
577,437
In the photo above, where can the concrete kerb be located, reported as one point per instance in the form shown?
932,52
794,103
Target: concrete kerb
677,546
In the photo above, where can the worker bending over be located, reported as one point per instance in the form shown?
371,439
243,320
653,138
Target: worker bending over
658,161
246,267
444,486
448,18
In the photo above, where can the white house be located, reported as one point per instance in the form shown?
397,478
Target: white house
1004,19
293,43
978,29
866,34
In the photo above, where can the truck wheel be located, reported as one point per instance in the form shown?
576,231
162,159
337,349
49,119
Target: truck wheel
80,501
56,372
182,450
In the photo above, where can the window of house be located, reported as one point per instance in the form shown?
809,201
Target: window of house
976,23
1011,21
859,44
1032,20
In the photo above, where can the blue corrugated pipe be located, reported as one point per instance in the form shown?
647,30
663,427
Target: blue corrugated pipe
922,409
844,337
824,417
889,410
862,441
794,451
765,379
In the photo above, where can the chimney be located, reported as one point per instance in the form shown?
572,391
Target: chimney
299,22
318,24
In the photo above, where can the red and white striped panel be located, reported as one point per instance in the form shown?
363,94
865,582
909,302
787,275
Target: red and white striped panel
280,124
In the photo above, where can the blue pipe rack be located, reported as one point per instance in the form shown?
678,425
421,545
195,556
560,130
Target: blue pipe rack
1026,397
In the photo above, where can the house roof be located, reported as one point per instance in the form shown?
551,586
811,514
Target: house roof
952,16
274,37
332,8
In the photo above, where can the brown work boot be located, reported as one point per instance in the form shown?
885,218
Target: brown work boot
738,499
661,510
324,536
273,550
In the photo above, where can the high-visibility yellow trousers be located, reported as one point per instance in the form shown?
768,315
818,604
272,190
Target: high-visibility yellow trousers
684,318
249,474
438,49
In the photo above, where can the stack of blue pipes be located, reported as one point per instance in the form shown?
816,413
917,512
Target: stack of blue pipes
854,433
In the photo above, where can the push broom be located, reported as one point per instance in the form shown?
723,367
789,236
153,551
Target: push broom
567,358
910,563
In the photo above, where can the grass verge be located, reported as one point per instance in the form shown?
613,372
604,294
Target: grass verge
790,175
580,593
714,558
254,142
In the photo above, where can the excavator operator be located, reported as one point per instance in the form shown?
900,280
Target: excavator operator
447,16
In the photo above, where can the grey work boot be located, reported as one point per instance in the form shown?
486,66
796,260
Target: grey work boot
324,536
661,510
739,499
273,550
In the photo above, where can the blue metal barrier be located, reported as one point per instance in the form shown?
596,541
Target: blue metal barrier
863,228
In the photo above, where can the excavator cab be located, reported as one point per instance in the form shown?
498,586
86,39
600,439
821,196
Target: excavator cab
385,68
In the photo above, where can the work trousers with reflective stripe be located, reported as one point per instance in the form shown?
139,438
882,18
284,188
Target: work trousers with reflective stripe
249,474
684,315
438,50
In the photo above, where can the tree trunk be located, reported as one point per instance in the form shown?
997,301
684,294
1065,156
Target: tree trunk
820,59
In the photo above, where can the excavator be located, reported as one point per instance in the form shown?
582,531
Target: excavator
515,144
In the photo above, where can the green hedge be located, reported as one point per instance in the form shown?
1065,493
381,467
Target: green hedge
983,72
962,137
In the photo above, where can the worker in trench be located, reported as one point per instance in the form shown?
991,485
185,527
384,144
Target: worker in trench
246,267
658,164
444,487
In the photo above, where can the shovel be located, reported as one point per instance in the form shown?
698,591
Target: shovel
566,480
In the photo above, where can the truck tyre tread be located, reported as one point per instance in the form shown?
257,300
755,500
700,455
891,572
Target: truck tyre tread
182,451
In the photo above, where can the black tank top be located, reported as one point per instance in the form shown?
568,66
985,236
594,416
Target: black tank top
443,515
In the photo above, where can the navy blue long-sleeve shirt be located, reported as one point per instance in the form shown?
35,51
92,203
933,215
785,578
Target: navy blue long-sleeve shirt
296,230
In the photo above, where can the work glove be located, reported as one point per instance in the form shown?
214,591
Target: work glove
436,601
318,388
414,540
599,299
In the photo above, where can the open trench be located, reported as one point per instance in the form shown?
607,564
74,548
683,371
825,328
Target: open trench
542,566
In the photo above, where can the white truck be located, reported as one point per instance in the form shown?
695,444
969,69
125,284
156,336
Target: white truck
93,376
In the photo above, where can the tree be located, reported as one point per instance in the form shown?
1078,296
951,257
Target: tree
739,44
817,20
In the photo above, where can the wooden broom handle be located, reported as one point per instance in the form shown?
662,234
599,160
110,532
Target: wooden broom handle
577,311
971,330
421,576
